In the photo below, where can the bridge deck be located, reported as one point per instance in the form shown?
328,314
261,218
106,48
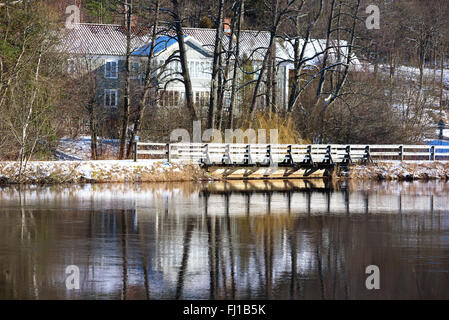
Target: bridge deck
297,156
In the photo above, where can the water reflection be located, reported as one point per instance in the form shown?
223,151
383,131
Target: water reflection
240,240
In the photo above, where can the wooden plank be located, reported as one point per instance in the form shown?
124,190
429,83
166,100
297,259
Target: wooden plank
417,154
385,154
151,152
151,144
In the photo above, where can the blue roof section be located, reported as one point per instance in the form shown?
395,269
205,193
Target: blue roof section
438,143
162,43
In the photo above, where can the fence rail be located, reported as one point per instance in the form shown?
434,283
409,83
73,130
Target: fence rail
210,154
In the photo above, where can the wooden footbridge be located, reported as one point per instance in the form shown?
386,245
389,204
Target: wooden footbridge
256,161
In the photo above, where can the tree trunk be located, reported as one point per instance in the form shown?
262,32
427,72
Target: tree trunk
236,65
216,68
147,83
183,58
127,98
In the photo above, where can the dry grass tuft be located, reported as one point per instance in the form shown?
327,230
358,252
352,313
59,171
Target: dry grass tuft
288,132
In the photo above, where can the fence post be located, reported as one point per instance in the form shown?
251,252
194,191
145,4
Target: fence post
401,152
168,153
432,153
329,154
228,154
206,159
135,151
348,154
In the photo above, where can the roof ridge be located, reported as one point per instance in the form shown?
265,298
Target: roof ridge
212,29
98,24
185,28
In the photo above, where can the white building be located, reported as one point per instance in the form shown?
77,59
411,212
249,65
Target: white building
105,46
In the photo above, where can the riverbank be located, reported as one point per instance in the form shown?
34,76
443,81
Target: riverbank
400,171
66,172
59,172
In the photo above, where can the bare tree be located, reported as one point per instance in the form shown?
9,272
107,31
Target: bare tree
150,77
29,79
216,66
128,13
177,23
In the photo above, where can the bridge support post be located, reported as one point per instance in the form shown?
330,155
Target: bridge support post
270,159
309,154
329,154
348,159
289,155
367,156
249,159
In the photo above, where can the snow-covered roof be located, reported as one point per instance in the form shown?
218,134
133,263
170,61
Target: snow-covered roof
101,39
106,39
314,49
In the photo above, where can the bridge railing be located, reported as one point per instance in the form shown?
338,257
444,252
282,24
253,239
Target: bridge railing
252,154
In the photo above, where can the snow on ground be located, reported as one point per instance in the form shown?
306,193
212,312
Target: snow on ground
405,71
395,170
446,133
79,148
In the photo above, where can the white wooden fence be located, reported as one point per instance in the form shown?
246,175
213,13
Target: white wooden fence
284,154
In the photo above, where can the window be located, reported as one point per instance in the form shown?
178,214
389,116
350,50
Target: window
110,98
71,65
111,69
135,70
170,98
202,99
205,70
194,68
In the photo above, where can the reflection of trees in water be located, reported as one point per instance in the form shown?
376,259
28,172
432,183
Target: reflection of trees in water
201,247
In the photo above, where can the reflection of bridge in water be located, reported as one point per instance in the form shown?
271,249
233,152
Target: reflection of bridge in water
310,197
245,240
285,239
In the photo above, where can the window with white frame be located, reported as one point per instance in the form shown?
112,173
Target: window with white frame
194,68
170,98
110,98
111,69
205,70
202,98
135,70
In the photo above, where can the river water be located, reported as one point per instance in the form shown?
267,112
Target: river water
237,240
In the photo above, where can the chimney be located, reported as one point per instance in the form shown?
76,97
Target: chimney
227,25
134,19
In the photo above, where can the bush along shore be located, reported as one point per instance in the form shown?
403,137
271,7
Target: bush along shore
400,171
59,172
